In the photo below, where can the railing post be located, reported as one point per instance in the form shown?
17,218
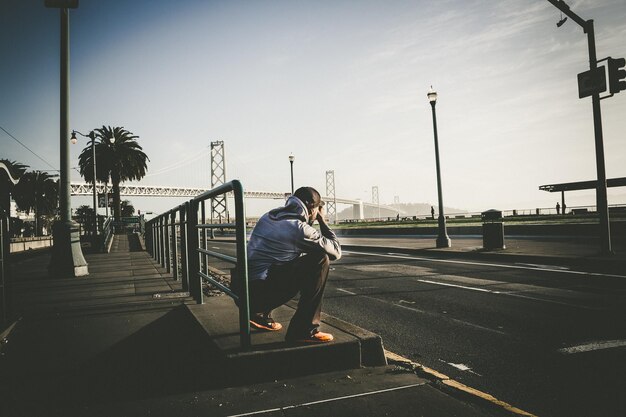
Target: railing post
166,232
161,242
4,270
147,239
195,281
184,253
205,258
157,247
174,246
242,265
153,238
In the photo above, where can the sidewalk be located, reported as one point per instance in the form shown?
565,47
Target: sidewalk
122,342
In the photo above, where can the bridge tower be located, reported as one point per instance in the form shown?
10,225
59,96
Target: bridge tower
375,199
219,205
331,206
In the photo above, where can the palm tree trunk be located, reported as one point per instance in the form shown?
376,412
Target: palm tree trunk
116,199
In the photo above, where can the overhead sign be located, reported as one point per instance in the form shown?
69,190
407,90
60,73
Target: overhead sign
591,82
130,220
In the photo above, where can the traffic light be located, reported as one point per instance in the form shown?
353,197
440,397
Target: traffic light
617,75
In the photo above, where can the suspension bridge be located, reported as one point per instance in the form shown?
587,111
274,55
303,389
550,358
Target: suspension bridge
217,177
86,189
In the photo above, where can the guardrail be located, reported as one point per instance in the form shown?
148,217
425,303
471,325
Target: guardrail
107,234
4,270
177,239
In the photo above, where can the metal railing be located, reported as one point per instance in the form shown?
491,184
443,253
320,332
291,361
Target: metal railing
107,234
177,239
4,271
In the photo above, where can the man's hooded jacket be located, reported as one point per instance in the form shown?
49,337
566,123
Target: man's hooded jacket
283,234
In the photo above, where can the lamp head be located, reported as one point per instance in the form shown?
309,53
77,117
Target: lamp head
432,95
292,158
73,139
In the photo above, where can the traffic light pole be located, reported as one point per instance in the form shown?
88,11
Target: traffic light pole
601,193
602,205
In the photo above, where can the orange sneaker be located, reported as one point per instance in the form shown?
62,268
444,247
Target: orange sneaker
265,323
317,337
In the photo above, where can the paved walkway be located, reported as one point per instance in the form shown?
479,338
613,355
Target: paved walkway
107,345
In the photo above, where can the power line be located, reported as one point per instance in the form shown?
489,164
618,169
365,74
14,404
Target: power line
188,160
29,150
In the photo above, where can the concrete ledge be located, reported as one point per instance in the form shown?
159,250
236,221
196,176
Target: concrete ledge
270,357
372,351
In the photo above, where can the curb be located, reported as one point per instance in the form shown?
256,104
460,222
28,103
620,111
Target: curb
457,387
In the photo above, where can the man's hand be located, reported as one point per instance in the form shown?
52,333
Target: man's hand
320,215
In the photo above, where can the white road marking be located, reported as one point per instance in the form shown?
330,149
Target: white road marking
510,294
461,367
445,284
345,397
514,266
547,267
518,290
591,346
401,304
545,300
462,322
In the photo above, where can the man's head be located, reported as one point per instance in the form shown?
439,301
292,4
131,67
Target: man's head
312,200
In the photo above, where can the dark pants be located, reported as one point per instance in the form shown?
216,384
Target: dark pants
306,275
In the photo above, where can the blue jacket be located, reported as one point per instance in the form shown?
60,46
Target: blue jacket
283,234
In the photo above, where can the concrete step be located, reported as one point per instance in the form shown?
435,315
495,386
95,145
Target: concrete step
270,357
61,308
379,391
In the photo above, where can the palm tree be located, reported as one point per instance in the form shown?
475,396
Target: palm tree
84,216
37,191
127,208
118,157
16,168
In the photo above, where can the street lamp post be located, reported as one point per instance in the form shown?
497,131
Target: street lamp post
443,241
291,159
67,256
92,137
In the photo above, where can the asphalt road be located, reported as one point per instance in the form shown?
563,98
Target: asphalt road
549,340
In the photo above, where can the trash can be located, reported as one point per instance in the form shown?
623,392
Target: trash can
493,229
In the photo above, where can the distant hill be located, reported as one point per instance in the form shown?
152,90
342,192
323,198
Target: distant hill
409,210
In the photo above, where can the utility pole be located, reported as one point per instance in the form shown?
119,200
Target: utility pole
601,193
67,256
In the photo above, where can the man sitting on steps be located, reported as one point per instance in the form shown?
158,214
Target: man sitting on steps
287,256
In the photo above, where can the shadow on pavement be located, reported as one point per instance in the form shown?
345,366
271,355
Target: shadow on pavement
162,357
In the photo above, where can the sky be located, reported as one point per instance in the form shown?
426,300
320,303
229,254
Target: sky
341,85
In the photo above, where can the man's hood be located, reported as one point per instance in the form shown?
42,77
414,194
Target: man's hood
294,209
